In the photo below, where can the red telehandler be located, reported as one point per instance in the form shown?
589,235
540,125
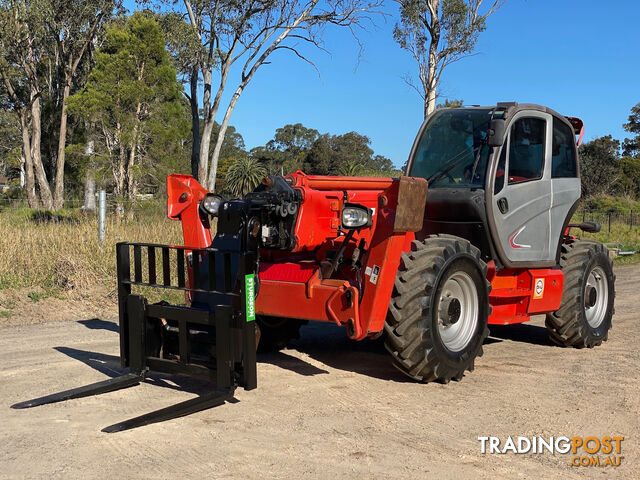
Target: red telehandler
477,233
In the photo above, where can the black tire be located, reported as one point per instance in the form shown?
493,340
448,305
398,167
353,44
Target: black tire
569,326
276,332
412,328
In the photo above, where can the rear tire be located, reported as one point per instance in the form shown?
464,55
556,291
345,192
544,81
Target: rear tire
584,316
276,332
438,313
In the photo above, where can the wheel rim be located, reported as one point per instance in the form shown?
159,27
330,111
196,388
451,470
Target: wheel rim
596,297
458,311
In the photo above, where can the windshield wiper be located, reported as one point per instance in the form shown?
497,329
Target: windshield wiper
450,165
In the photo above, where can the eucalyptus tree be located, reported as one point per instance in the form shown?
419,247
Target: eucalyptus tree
42,44
246,33
23,53
437,33
73,25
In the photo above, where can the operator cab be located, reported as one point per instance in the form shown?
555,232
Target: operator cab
503,177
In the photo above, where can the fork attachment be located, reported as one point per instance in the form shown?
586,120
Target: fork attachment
214,339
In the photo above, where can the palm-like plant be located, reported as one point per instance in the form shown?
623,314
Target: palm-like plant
244,174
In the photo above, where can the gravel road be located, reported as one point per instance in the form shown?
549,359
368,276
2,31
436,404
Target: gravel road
328,408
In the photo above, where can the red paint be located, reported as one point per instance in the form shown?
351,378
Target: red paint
184,195
513,294
291,284
287,272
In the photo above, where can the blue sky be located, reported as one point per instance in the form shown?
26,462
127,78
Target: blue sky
580,58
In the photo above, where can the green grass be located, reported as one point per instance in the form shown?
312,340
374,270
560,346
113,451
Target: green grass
621,235
627,238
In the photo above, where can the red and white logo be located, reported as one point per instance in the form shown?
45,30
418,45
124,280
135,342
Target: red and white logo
514,243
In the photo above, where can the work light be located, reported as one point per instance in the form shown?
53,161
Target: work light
355,216
211,204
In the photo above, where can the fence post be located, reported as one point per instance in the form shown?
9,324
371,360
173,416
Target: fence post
609,222
631,220
102,214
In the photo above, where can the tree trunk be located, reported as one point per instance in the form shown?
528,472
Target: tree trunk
30,182
58,200
209,119
46,198
119,172
432,66
131,181
89,191
211,184
430,93
211,110
195,123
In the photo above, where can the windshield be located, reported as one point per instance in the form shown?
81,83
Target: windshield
449,147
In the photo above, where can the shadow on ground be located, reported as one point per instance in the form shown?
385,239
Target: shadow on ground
327,343
98,324
521,332
109,365
324,342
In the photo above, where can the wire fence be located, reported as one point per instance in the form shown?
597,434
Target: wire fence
113,204
609,219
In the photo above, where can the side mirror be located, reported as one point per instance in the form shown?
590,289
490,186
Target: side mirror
495,134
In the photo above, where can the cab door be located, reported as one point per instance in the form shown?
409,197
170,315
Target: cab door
519,201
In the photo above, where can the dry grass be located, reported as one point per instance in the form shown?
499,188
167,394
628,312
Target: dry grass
66,256
60,265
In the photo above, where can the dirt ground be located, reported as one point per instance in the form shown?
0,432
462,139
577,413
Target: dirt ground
328,408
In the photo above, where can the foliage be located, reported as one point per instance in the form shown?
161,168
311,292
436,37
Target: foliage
43,56
296,147
437,33
450,104
132,103
244,175
614,205
599,166
10,154
631,146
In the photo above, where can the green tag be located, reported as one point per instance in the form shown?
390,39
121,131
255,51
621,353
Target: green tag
250,293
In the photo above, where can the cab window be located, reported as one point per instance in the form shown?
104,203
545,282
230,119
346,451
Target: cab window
526,150
563,154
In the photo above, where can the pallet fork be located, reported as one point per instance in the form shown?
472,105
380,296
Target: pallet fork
214,339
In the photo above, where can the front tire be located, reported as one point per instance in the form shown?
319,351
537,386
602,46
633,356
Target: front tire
584,316
437,319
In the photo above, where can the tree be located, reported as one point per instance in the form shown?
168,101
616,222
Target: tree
437,33
42,45
185,48
629,184
247,32
244,175
631,146
73,24
133,104
10,152
599,169
22,54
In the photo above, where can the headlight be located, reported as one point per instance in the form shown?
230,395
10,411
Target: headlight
355,216
211,204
